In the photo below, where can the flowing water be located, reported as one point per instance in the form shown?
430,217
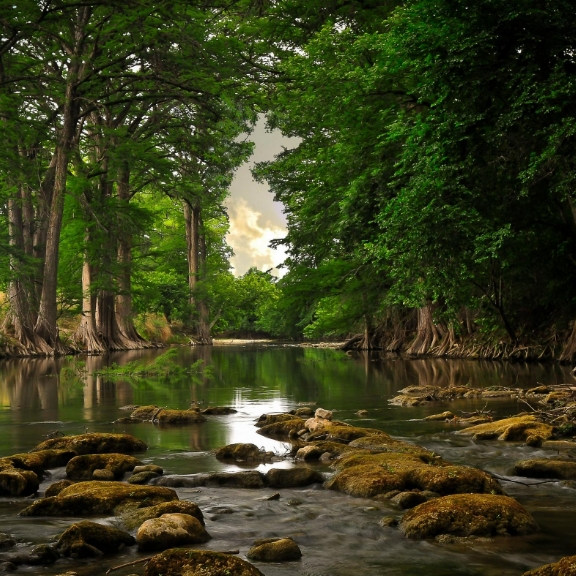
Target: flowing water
338,535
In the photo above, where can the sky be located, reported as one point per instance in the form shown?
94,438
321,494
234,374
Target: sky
255,219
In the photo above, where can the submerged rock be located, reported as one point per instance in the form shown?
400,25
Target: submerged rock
564,567
134,518
367,475
517,428
165,416
94,443
85,539
240,451
442,416
292,477
274,550
142,477
468,515
83,467
170,530
86,498
198,563
546,468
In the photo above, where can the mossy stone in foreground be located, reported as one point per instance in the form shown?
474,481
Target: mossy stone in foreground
86,498
85,539
16,482
198,563
134,518
564,567
274,550
468,515
94,443
170,530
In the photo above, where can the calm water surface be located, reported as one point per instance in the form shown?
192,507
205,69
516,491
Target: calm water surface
338,535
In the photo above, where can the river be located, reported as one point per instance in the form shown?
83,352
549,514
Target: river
338,535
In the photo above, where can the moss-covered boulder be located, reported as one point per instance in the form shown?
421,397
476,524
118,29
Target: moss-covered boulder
57,487
143,477
468,515
372,474
42,460
18,482
246,479
345,434
134,518
243,452
384,443
198,563
85,539
267,419
442,416
95,443
292,477
170,530
167,417
88,498
219,410
83,467
564,567
546,468
517,428
282,428
274,550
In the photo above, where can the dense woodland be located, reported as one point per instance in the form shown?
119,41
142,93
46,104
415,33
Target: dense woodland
430,202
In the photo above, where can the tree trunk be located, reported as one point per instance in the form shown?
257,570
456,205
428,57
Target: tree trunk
128,334
427,335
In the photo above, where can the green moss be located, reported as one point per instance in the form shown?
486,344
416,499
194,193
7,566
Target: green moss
564,567
282,428
82,467
94,443
165,416
546,468
468,515
517,428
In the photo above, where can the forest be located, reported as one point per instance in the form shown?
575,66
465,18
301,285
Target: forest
430,201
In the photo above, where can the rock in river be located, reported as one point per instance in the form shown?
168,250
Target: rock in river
292,477
198,563
94,443
468,515
564,567
546,468
83,467
517,428
165,416
85,539
134,518
170,530
86,498
274,550
241,451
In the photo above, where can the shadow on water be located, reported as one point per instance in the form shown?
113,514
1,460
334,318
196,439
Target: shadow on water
338,535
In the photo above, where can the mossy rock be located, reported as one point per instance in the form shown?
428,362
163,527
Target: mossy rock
134,518
564,567
282,428
18,482
274,550
42,460
546,468
89,498
85,539
314,450
440,417
219,410
468,515
83,467
57,487
517,428
385,443
292,477
369,475
267,419
247,479
170,530
198,563
383,458
143,477
167,417
240,451
344,434
95,443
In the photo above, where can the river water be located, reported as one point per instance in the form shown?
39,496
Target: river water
338,535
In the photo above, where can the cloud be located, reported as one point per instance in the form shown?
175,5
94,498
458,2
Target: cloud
250,237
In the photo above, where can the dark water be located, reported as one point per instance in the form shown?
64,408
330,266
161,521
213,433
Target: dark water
338,535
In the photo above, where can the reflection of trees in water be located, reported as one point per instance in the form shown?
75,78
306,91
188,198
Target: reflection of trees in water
475,373
31,384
